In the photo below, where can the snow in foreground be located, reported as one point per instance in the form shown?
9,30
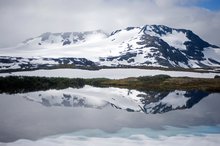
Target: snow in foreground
130,137
135,140
107,73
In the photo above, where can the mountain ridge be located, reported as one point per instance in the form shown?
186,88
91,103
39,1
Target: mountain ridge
150,45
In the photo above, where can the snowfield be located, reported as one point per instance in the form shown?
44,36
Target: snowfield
107,73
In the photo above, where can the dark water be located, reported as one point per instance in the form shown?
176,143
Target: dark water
38,114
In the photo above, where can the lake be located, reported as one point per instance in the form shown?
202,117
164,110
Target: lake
109,116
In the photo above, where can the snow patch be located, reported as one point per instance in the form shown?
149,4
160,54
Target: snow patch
176,39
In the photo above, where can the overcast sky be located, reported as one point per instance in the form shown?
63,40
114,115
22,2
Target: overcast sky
22,19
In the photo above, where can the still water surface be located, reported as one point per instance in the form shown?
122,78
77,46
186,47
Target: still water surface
92,112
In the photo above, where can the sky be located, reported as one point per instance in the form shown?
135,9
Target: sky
23,19
210,4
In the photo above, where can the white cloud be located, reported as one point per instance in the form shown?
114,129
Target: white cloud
21,19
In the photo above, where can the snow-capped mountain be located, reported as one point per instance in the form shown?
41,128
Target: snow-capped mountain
66,38
158,45
131,100
150,45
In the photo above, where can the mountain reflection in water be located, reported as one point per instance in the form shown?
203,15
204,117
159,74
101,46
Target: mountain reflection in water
149,102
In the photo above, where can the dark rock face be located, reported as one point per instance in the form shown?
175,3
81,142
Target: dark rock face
19,63
66,42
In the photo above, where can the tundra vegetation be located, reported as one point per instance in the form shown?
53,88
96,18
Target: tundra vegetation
22,84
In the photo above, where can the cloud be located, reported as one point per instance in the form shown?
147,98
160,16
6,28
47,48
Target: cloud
22,19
